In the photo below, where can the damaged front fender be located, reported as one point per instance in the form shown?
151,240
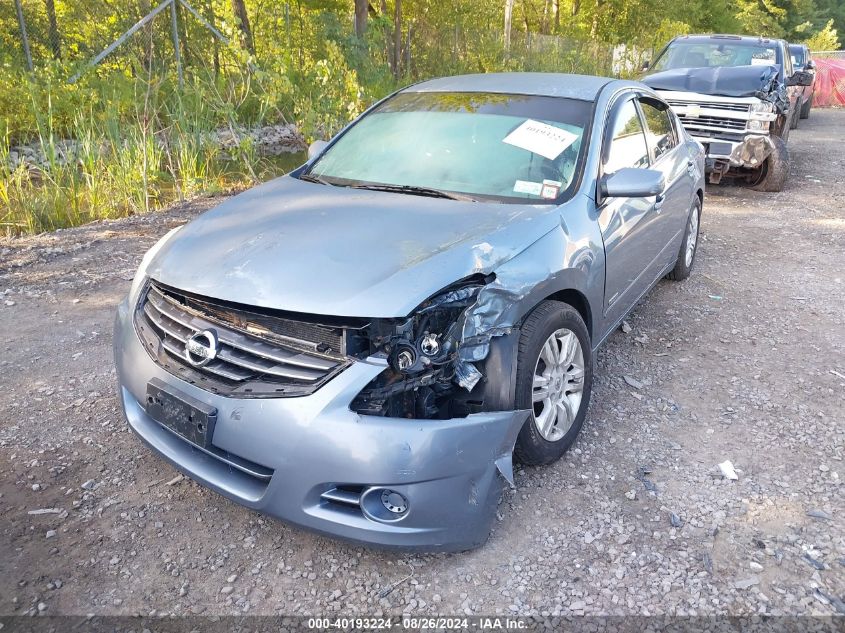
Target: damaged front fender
437,356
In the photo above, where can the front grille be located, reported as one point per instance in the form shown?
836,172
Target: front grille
713,105
712,122
260,354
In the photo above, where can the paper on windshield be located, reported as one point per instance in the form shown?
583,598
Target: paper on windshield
550,189
540,138
756,61
527,186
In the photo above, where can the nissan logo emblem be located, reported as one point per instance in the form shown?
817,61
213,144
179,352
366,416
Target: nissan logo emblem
202,348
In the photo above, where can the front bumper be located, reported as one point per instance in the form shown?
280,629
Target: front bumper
284,456
722,155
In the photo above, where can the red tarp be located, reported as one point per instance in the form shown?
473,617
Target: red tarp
829,89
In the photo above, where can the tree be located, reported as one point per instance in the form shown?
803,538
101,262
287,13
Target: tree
397,38
826,39
242,18
53,29
361,10
508,23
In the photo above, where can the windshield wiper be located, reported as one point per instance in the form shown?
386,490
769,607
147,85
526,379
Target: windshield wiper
313,178
414,191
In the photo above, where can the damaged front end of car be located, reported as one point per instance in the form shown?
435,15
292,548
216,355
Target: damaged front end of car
398,445
428,363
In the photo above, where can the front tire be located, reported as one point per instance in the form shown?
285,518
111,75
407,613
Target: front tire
554,379
775,170
805,108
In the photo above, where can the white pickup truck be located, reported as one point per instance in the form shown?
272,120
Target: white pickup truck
737,96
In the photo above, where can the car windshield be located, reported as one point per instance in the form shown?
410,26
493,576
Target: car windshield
698,54
499,147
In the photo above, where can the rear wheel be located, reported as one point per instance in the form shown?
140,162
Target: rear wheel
805,108
775,170
554,378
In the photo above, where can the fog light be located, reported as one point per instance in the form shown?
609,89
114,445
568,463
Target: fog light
394,502
384,505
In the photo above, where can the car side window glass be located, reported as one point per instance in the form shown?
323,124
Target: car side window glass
660,132
627,145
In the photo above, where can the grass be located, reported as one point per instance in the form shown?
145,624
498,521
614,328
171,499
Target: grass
165,151
143,141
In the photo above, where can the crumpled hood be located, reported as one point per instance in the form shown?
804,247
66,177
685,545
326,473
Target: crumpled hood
318,249
725,81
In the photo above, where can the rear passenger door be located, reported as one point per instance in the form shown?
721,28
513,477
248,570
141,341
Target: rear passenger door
671,158
627,224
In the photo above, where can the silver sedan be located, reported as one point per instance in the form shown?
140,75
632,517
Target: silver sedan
362,346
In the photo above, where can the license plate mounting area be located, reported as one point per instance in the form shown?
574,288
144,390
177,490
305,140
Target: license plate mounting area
186,416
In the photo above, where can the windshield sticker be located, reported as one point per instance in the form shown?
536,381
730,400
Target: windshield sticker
551,189
540,138
526,186
756,61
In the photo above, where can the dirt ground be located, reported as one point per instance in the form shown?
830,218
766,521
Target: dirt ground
744,362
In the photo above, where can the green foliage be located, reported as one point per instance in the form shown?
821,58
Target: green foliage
329,95
826,39
144,140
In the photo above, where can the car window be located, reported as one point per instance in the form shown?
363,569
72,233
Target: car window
627,145
694,54
502,147
659,130
788,67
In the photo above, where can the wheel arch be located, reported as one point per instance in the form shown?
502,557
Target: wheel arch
577,300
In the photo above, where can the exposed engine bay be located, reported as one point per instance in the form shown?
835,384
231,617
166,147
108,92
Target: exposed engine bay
426,378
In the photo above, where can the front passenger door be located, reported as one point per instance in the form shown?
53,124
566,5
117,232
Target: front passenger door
627,224
673,160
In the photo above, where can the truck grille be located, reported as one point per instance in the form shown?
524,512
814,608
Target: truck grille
259,354
712,105
712,122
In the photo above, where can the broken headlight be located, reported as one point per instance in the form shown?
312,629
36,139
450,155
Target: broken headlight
761,111
422,356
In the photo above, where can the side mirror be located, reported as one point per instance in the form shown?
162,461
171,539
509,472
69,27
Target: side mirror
631,182
811,65
316,148
646,65
800,78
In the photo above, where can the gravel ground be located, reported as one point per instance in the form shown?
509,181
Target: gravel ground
743,362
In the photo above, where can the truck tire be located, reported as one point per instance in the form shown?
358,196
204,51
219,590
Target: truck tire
795,115
774,172
805,108
555,359
781,127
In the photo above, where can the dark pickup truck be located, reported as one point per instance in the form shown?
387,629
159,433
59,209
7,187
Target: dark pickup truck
737,96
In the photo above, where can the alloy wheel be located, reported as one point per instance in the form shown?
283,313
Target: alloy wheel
558,384
692,237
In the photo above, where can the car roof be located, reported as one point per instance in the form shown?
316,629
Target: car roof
794,47
724,36
583,87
